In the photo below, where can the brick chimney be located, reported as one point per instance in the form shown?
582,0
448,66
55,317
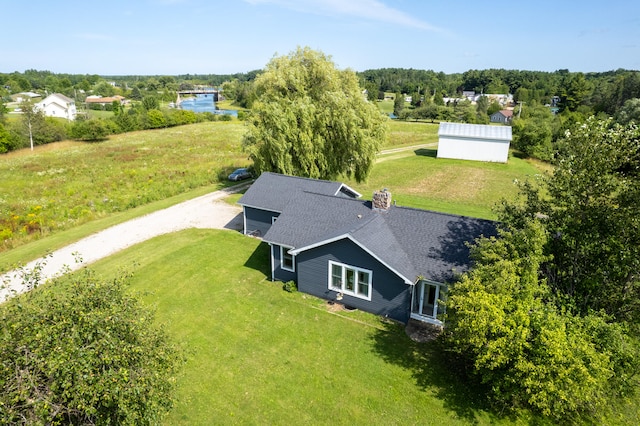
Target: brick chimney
381,200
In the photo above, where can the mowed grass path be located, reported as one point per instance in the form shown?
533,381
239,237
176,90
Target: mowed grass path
259,355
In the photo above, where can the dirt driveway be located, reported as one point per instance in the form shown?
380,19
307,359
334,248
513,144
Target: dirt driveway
202,212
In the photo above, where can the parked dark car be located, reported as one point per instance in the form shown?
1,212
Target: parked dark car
240,174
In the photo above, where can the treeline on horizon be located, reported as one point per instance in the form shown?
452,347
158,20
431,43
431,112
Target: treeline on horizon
536,129
599,91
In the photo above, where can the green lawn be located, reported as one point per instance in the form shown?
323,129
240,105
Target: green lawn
410,133
418,179
385,106
259,355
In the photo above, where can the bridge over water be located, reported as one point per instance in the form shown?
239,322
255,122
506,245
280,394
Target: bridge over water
205,91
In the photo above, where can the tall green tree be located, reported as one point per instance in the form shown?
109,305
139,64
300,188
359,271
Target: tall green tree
533,132
150,102
527,351
310,119
630,112
104,89
3,110
136,94
576,92
6,140
591,203
398,104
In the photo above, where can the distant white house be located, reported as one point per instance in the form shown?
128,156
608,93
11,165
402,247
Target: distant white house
474,142
58,105
26,95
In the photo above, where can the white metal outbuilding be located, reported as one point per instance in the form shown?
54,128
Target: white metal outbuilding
474,142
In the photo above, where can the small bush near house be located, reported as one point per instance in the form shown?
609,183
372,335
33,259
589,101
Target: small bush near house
290,286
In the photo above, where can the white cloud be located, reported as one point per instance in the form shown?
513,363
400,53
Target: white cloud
374,10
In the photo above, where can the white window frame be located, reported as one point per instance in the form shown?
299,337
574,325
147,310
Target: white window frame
342,289
283,253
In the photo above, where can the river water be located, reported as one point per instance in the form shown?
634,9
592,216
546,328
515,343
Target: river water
205,103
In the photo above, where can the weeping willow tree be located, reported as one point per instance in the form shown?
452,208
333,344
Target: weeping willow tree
311,119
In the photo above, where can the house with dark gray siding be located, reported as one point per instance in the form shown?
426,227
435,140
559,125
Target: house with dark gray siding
368,254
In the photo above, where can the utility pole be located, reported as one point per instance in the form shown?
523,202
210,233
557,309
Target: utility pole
520,110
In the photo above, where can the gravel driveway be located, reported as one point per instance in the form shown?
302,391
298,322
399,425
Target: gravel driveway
202,212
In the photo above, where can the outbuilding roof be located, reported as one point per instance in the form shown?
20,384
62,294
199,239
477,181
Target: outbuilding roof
475,131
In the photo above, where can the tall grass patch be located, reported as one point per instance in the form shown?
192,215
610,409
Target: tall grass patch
59,186
404,133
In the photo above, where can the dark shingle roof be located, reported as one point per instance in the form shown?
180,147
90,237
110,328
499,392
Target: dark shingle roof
411,242
272,191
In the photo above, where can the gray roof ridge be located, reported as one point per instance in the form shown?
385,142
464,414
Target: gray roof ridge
302,177
380,220
335,196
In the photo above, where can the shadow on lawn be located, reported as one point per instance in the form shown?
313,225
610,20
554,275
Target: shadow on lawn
259,259
432,371
426,152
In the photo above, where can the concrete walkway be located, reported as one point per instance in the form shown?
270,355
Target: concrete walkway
202,212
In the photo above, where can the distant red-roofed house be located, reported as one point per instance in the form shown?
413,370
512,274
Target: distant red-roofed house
503,116
105,100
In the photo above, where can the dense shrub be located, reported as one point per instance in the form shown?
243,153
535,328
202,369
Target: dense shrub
7,141
290,286
89,130
502,325
83,352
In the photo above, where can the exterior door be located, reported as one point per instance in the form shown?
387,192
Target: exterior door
425,304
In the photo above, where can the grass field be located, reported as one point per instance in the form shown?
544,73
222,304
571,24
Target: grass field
62,185
472,188
256,354
406,133
259,355
70,189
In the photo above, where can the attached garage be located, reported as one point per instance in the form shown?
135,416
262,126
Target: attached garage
474,142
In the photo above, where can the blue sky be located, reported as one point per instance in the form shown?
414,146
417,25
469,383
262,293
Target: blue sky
171,37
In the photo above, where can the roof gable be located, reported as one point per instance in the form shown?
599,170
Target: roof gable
57,99
273,191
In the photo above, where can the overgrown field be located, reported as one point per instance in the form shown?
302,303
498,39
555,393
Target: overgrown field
407,133
63,185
